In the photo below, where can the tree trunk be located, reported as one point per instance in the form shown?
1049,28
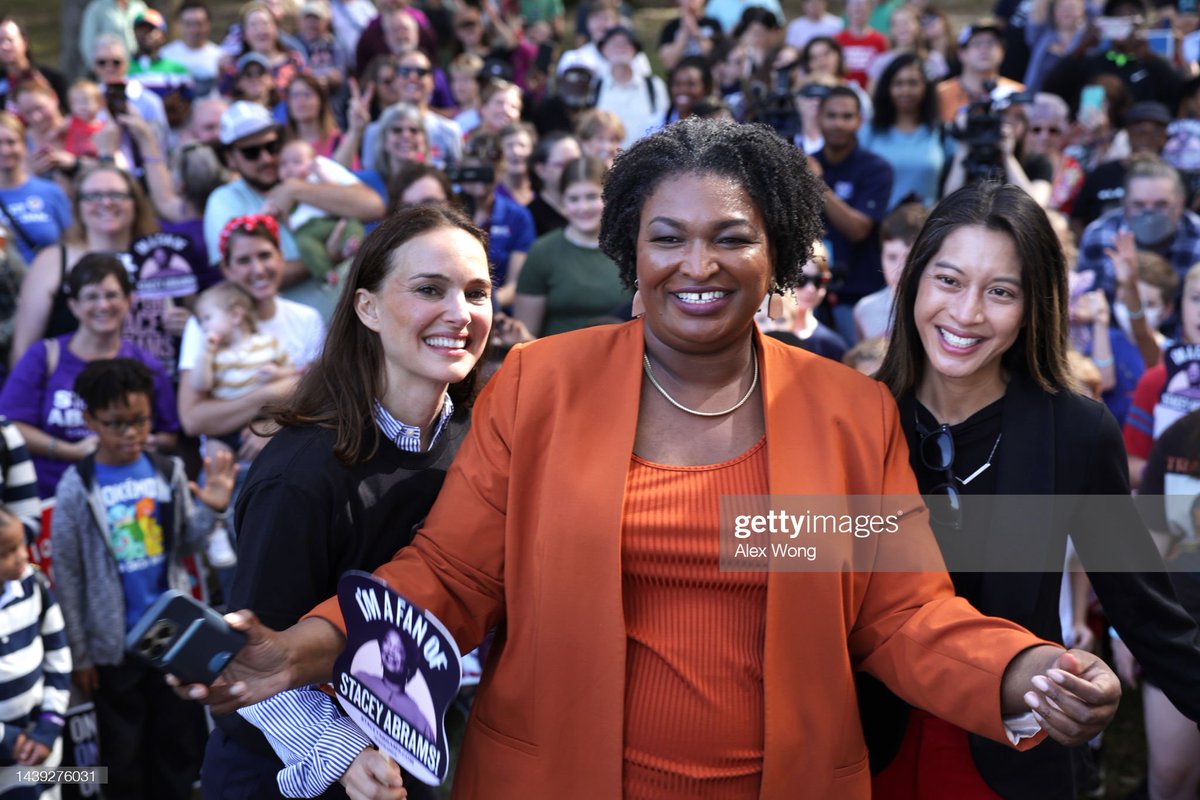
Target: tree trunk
69,59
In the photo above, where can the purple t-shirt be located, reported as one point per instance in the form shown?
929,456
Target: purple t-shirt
49,402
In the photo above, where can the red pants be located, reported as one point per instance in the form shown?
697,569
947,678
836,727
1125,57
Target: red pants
934,763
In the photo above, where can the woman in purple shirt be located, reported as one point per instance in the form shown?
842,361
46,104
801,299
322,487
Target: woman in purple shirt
39,395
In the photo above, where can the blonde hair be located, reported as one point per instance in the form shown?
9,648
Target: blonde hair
91,87
873,349
227,296
597,122
1085,374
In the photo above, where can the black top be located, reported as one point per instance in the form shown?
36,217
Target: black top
1103,190
62,319
303,519
1065,447
974,440
545,218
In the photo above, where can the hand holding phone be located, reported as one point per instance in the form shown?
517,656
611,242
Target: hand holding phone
180,635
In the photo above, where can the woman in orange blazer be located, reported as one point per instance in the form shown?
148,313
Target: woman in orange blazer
535,530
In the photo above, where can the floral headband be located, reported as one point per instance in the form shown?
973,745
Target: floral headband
247,224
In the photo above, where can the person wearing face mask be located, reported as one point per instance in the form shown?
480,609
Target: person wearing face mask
1153,211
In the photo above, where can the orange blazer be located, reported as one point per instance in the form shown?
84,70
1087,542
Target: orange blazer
525,535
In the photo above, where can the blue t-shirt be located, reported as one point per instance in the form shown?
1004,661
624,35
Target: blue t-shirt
131,503
510,230
41,209
917,159
863,181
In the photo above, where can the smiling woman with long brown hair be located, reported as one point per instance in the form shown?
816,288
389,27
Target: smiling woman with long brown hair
978,365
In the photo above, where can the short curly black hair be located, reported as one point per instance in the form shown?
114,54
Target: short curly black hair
773,172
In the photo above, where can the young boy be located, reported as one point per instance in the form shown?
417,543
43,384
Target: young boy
897,232
35,662
123,521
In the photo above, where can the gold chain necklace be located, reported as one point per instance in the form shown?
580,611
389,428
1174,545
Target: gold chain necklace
654,381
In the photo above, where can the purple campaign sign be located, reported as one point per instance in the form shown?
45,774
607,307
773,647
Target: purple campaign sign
398,673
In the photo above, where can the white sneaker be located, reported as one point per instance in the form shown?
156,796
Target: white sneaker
220,551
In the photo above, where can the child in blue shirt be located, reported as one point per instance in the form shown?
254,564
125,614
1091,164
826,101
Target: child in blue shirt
123,522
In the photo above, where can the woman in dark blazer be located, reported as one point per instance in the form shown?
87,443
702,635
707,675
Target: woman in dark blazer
977,364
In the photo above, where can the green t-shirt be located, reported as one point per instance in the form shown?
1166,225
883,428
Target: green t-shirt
580,284
540,10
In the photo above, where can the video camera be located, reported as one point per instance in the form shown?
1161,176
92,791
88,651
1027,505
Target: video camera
983,134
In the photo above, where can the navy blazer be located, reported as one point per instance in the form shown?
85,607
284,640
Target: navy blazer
1062,445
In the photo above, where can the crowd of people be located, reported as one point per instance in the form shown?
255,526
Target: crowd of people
283,259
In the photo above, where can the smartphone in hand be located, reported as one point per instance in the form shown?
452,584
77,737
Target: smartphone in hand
181,636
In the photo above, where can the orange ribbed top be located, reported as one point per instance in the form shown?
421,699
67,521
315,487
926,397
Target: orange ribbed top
694,662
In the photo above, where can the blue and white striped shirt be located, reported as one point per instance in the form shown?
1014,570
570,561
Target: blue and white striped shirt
35,660
18,482
408,437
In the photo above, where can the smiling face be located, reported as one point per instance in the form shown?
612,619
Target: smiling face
106,205
405,139
39,111
583,205
433,311
416,78
687,88
255,264
101,308
502,107
970,307
703,262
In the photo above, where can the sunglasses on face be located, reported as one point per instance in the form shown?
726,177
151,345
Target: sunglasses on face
1036,130
104,63
408,72
99,197
815,281
252,152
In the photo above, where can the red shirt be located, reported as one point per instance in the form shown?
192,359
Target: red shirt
859,51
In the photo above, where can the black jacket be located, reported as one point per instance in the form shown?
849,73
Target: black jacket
1061,444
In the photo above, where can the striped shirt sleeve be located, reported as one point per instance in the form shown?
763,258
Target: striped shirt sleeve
18,480
310,735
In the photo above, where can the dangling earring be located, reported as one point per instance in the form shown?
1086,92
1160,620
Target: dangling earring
638,306
775,304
